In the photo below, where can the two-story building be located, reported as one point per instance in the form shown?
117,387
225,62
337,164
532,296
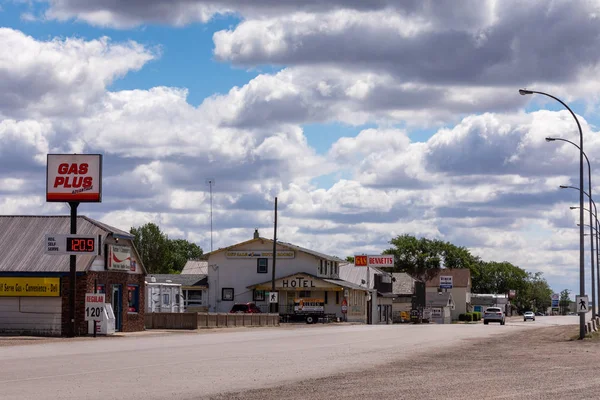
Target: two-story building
243,273
461,288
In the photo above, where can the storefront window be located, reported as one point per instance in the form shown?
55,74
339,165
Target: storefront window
133,296
259,295
194,298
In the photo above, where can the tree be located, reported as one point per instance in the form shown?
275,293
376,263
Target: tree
160,254
180,251
565,301
350,259
498,278
153,247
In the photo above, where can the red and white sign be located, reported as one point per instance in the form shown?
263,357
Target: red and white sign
119,258
94,306
74,177
379,261
385,260
344,306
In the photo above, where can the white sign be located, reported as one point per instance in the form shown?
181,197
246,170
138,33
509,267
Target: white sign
259,254
74,177
381,261
94,306
446,282
555,296
273,297
582,304
436,312
71,244
119,258
427,313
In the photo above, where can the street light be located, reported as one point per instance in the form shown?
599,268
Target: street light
552,139
524,92
597,236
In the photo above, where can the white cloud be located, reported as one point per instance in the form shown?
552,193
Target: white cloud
60,76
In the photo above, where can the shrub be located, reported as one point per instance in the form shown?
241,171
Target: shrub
477,316
461,317
468,317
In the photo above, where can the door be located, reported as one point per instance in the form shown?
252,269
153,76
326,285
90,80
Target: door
117,304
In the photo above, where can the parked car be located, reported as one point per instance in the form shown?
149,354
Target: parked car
494,314
528,315
245,308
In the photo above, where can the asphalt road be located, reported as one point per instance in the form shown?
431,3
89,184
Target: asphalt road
195,365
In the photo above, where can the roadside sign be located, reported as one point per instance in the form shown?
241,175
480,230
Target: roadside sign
273,297
94,306
446,282
582,304
555,300
378,261
344,306
436,312
74,178
71,244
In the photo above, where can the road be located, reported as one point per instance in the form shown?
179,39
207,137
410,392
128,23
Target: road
195,365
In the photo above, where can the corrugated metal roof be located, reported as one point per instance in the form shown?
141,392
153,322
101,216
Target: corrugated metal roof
183,280
195,267
350,273
22,242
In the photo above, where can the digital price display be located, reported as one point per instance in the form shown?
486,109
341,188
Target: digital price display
81,244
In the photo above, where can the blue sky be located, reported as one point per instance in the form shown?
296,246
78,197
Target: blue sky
366,122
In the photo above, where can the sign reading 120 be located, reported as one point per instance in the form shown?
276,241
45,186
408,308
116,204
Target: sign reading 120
81,244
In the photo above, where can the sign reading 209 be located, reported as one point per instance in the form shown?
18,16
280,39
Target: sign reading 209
74,178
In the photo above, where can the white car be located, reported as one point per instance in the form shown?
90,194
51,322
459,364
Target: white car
493,314
528,315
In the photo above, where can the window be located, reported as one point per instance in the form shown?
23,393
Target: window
166,299
100,288
262,265
227,294
304,294
133,298
193,298
328,268
259,295
326,293
337,297
321,268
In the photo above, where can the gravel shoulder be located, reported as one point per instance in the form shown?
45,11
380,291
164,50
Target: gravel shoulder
536,363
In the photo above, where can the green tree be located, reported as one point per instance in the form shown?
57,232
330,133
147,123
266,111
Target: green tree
153,247
499,278
350,259
565,301
180,251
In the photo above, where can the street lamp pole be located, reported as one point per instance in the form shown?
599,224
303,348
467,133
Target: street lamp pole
524,92
597,235
551,139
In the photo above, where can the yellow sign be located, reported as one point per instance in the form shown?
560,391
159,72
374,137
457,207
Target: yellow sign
29,287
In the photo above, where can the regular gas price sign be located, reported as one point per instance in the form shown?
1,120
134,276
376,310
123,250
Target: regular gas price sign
94,306
71,244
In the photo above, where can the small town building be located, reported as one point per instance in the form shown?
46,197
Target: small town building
241,273
481,301
325,295
34,286
193,290
195,267
461,288
379,284
440,306
403,287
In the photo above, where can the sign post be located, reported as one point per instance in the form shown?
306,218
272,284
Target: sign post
273,297
446,282
94,307
73,178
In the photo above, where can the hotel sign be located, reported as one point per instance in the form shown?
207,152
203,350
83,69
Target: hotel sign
29,287
259,254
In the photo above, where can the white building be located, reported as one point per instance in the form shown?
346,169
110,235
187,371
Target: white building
242,273
163,297
461,288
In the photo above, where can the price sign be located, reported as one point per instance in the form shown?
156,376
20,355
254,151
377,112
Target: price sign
71,244
94,306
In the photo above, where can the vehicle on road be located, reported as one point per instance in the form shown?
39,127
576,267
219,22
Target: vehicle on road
528,315
540,314
245,308
494,314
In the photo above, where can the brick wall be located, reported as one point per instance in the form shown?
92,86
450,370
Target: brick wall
131,322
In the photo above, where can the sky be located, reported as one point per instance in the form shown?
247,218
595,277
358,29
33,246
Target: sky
367,120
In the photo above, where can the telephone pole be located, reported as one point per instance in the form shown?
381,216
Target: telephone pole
210,182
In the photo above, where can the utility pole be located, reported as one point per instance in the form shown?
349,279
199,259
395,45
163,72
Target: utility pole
210,182
273,306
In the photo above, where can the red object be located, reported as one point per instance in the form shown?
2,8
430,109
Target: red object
245,308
